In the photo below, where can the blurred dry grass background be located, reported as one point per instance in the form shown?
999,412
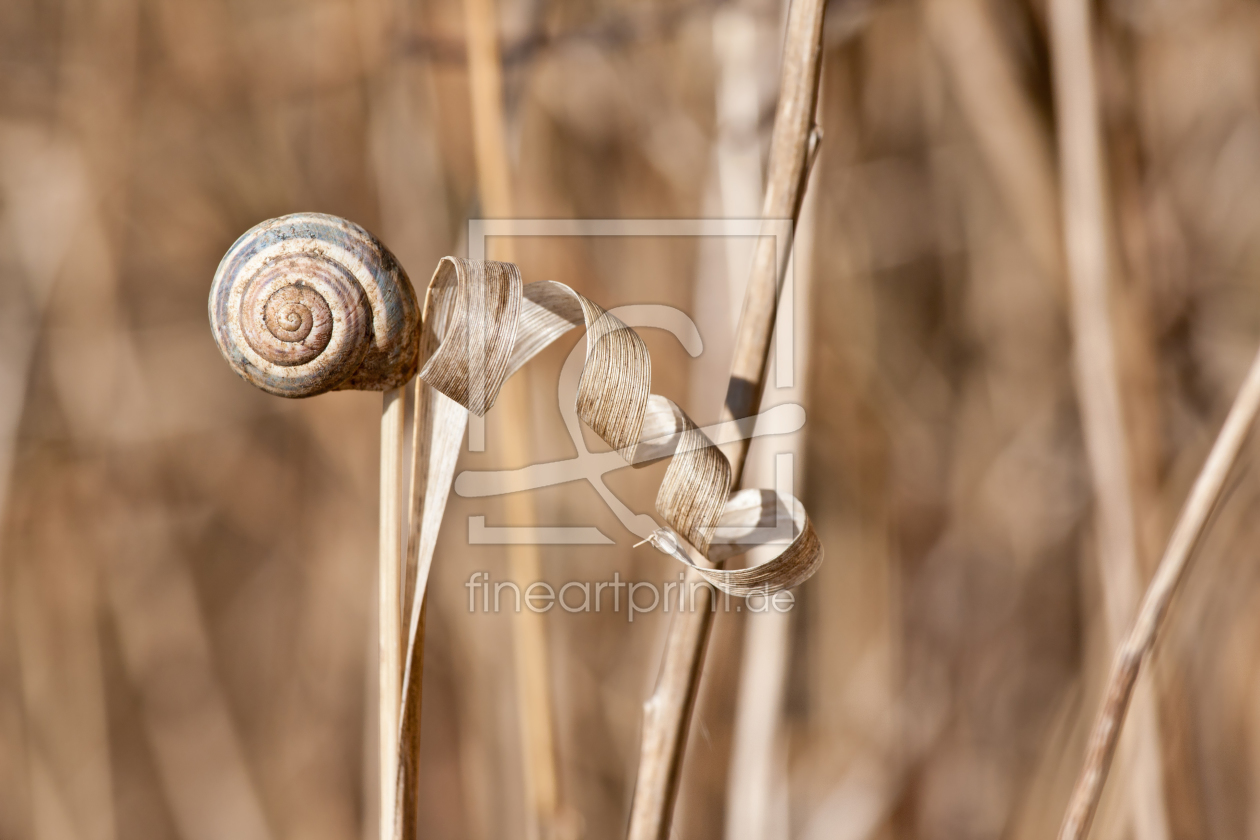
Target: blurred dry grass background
187,643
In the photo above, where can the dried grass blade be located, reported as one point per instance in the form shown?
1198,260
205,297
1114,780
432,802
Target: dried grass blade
481,325
793,146
1203,499
389,605
1087,234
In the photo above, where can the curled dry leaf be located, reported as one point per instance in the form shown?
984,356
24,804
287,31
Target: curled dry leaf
309,303
482,324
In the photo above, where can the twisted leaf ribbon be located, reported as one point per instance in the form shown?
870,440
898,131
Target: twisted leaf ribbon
481,324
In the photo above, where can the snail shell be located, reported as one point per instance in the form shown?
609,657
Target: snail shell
310,303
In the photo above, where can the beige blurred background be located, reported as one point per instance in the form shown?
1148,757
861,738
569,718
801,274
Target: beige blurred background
187,565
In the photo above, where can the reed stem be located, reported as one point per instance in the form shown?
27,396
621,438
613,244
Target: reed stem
1087,235
390,605
667,713
513,430
1203,499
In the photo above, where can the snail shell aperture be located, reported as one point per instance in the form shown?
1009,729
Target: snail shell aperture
309,303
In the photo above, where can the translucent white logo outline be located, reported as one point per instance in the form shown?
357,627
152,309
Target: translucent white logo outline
591,466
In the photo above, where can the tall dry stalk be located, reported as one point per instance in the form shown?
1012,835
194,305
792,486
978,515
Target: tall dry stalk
759,753
1203,499
667,713
22,311
985,81
1087,239
389,602
513,432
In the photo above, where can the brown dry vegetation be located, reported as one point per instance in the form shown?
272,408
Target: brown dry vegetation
187,642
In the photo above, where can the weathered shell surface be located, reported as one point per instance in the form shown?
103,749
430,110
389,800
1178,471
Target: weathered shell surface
309,303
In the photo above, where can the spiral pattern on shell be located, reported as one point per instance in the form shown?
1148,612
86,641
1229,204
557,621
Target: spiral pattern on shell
309,303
